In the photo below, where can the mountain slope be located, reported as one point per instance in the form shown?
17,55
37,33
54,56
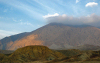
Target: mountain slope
64,36
68,35
87,47
9,40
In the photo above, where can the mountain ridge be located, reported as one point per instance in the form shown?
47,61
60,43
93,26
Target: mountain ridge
55,33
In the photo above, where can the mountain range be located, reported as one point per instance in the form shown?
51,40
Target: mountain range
55,36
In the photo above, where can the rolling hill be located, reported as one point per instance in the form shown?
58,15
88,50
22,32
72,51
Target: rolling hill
31,53
42,54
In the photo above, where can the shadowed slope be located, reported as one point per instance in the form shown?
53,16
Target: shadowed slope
2,56
6,51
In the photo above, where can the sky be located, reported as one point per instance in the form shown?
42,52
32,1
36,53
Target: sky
18,16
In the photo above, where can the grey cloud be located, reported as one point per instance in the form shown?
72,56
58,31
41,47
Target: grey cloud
92,19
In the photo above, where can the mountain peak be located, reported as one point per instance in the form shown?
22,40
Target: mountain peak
62,35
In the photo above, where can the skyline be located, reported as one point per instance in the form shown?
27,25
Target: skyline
17,16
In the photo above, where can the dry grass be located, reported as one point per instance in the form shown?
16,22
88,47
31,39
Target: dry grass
32,53
42,54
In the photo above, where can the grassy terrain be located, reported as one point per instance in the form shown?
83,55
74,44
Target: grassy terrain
6,51
42,54
70,52
70,62
32,53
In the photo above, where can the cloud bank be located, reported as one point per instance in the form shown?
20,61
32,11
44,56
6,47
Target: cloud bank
93,20
91,4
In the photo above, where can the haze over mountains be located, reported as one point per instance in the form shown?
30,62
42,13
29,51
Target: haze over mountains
55,36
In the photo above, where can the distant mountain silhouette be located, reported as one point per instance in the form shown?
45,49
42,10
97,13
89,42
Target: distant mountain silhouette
55,36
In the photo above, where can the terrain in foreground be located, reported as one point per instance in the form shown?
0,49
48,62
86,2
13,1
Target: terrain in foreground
42,54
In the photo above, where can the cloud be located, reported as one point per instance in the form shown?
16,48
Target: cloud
26,23
92,19
77,1
4,33
91,4
47,16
